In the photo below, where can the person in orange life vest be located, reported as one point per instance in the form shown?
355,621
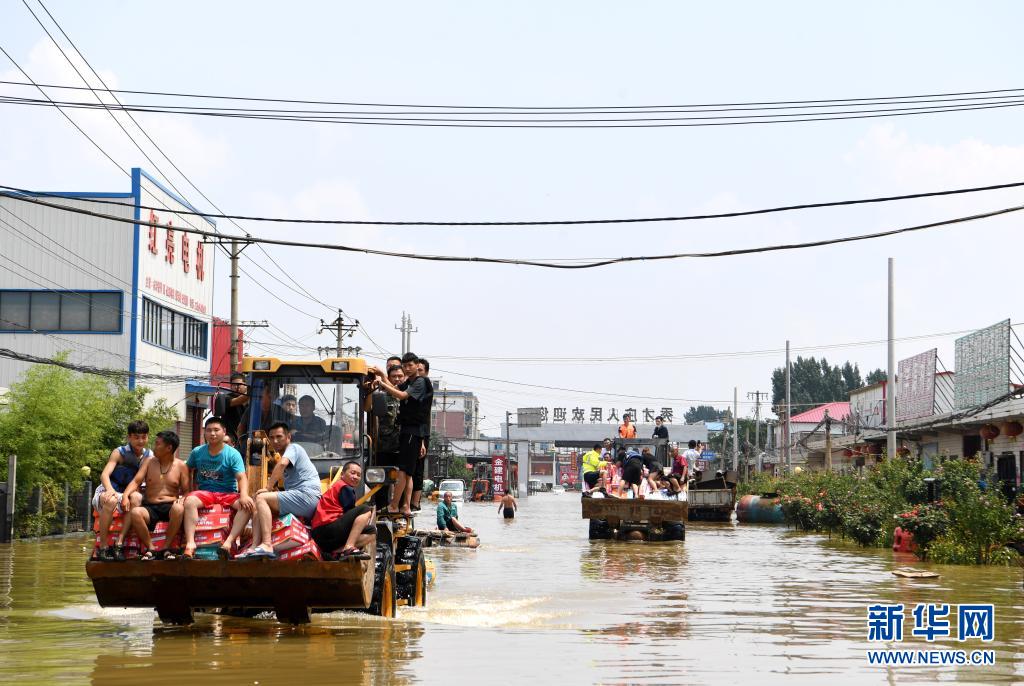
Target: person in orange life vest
338,522
627,428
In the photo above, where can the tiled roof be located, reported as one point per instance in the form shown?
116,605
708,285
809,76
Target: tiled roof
815,415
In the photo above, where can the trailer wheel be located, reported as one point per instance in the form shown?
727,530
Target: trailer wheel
599,530
674,531
384,599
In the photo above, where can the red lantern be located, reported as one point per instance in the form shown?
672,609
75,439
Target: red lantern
1013,429
847,452
989,431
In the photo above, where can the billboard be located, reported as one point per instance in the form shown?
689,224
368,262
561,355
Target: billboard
499,472
982,366
529,417
915,394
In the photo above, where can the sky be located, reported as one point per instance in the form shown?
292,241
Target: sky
949,279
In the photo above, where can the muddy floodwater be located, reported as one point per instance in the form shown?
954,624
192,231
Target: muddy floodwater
537,603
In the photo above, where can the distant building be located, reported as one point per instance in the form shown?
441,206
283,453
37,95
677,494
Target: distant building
456,414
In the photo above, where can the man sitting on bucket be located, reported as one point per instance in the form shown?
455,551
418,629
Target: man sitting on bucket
447,516
340,527
300,496
122,466
220,479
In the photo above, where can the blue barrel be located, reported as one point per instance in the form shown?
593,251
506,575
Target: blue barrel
759,509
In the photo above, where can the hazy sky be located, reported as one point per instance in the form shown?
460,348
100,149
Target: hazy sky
572,53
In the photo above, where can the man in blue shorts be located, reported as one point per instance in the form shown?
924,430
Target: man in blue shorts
300,496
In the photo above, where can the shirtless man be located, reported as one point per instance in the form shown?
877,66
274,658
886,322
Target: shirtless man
508,506
167,482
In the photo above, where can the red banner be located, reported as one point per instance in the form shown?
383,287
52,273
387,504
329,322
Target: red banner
499,472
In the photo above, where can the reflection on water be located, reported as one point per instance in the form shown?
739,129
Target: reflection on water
537,601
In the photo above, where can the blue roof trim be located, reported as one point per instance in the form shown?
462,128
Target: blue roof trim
78,194
171,193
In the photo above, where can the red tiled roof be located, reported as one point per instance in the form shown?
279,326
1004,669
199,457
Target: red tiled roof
816,414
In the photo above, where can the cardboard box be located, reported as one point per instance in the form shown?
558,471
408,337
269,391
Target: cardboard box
207,552
290,535
308,549
210,538
116,524
211,519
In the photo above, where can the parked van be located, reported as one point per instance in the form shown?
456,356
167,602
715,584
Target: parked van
454,486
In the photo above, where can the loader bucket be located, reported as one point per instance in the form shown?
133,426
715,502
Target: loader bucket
290,588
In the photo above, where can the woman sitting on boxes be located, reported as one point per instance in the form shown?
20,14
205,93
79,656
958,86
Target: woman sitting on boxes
299,498
340,525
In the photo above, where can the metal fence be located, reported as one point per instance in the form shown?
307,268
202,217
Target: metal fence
45,510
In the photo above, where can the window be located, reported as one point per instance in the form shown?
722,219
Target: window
64,311
173,330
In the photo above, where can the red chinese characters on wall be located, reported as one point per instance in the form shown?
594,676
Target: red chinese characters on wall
169,247
200,261
169,254
499,471
153,219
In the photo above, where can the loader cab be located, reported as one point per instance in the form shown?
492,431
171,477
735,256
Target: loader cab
321,401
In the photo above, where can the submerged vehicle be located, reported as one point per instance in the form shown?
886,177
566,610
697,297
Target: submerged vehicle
713,499
647,519
341,427
457,487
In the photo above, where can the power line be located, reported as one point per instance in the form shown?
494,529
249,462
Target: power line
467,123
552,263
532,107
120,125
554,222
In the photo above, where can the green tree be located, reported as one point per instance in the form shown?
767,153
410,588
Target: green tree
874,377
58,421
814,382
702,413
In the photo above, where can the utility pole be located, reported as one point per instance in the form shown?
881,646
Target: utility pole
757,395
828,442
789,413
235,252
735,428
341,330
890,387
407,332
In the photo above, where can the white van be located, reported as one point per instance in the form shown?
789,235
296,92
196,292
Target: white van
454,486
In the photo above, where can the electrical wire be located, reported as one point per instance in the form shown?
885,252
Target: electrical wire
552,222
533,107
466,123
551,263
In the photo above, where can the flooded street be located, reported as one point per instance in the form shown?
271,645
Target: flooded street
537,601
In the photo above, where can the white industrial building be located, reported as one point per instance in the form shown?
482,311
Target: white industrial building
112,294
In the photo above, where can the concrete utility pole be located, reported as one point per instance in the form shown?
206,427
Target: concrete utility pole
828,442
341,330
757,395
235,252
789,413
407,332
735,428
890,387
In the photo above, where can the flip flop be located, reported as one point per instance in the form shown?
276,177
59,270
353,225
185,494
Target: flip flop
170,555
188,556
148,556
268,554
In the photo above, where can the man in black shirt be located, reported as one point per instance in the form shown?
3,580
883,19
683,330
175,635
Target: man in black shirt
660,430
413,421
423,367
235,406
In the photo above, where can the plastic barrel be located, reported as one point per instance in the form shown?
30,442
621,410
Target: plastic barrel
758,509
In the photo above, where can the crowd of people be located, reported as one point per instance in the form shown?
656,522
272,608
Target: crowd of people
150,487
630,473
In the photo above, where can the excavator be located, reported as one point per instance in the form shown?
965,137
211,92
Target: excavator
333,417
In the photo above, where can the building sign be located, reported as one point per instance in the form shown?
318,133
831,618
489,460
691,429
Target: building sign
982,366
499,472
915,395
596,415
